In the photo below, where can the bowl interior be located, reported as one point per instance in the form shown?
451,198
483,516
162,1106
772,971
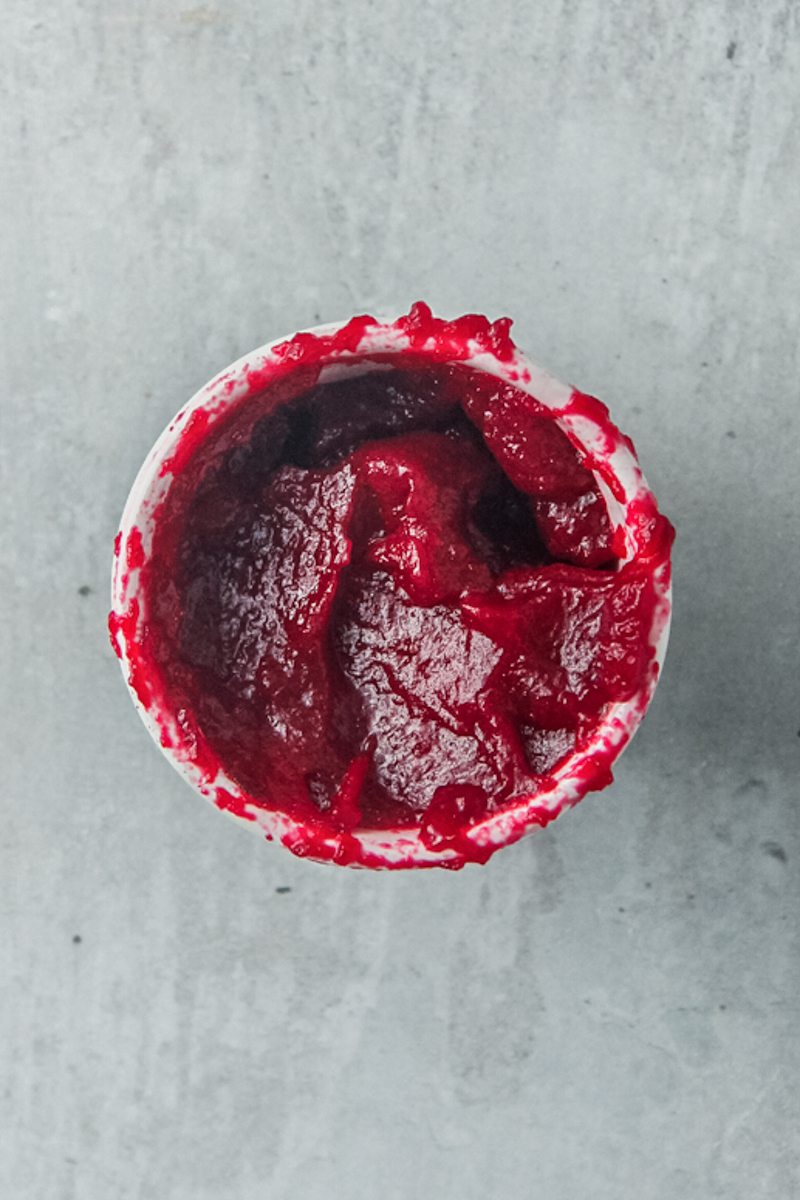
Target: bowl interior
272,371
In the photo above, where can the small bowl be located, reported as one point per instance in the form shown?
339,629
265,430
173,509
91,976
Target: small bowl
319,355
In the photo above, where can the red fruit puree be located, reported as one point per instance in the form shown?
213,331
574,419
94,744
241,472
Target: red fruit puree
394,600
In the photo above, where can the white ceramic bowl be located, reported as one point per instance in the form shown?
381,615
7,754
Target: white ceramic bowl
356,347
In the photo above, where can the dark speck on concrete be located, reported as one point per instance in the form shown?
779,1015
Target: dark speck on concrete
731,51
282,890
77,939
722,1007
749,786
731,433
648,884
84,590
774,850
620,910
690,895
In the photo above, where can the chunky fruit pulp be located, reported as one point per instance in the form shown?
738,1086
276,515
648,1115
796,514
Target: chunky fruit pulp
395,602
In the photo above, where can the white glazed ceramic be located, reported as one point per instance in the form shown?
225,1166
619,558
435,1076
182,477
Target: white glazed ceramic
387,848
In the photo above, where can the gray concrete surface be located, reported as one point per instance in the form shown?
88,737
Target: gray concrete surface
608,1009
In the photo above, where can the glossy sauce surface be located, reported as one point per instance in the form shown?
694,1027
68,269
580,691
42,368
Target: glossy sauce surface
394,600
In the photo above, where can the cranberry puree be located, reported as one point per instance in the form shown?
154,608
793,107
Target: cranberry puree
391,593
394,600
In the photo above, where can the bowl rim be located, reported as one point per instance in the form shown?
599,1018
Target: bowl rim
608,453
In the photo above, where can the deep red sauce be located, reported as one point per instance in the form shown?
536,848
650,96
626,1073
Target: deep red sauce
392,601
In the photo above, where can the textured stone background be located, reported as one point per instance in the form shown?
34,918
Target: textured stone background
607,1010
